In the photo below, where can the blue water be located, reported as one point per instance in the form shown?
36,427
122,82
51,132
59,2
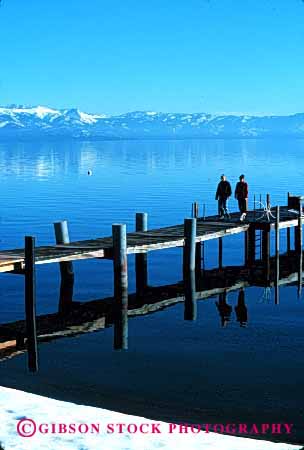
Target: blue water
42,183
175,363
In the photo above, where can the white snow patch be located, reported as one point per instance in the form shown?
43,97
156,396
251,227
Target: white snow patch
39,111
90,118
16,405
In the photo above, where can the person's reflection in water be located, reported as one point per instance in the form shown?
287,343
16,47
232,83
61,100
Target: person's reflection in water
224,309
241,309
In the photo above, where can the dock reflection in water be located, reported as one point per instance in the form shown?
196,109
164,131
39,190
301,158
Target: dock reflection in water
91,316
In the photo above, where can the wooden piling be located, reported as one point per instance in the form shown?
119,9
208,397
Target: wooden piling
120,264
62,237
251,245
190,269
297,231
299,252
141,259
266,253
220,253
198,247
288,247
198,263
120,325
277,255
190,306
30,302
246,248
195,210
66,269
189,246
288,240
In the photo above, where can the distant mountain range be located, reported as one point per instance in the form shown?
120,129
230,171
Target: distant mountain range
38,122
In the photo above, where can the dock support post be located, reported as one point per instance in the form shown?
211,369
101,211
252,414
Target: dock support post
277,255
190,307
246,248
141,259
30,303
288,239
195,210
189,260
198,246
266,253
189,247
120,264
299,251
297,231
66,269
251,245
198,263
220,253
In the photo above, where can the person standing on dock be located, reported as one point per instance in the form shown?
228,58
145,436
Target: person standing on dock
241,194
223,192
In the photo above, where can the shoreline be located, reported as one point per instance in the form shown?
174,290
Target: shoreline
40,409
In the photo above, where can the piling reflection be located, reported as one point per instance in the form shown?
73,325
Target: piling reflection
66,294
75,318
120,323
190,305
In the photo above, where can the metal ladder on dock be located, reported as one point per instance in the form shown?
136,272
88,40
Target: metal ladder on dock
258,233
258,244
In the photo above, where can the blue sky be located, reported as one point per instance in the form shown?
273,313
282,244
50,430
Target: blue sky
182,56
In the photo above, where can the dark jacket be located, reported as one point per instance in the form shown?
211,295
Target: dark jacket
241,190
223,190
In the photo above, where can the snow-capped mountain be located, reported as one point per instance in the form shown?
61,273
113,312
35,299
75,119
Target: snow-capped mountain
31,122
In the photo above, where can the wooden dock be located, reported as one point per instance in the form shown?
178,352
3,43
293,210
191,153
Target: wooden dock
190,236
137,242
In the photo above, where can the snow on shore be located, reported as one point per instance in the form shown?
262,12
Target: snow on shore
16,406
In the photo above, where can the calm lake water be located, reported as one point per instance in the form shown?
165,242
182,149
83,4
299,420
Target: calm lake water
178,370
